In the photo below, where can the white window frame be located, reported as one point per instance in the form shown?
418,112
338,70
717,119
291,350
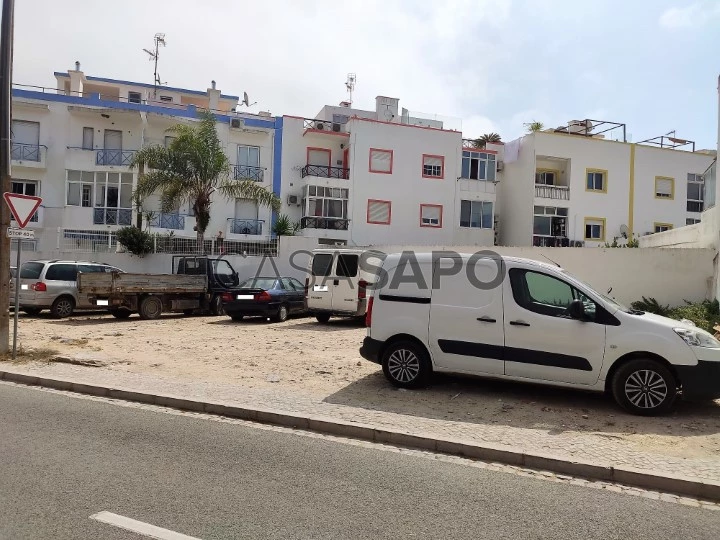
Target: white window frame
311,194
595,175
431,221
542,177
696,179
433,166
594,224
91,144
245,149
99,180
490,160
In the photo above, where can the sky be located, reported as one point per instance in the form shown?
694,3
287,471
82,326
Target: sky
483,65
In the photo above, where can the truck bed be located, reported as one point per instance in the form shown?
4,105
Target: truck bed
116,283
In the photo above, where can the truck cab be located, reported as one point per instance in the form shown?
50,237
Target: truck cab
221,276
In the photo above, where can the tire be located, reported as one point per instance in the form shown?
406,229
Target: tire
31,310
406,364
237,318
120,313
216,307
323,317
150,307
62,307
644,387
282,314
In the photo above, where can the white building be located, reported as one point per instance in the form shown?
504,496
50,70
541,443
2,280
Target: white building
72,146
361,177
577,186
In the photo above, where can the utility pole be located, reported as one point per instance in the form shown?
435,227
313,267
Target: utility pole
6,57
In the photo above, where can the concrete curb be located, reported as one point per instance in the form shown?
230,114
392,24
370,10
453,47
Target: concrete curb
702,489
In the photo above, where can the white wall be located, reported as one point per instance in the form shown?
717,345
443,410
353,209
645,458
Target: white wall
515,196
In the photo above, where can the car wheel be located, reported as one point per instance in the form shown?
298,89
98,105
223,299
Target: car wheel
216,306
237,318
150,307
32,310
120,313
282,314
62,307
406,364
322,318
644,387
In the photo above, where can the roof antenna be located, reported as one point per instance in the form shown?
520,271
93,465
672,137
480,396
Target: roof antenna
159,39
350,85
549,259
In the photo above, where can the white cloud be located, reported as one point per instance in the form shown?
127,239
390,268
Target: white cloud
689,16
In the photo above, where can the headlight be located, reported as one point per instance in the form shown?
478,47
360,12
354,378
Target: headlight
697,338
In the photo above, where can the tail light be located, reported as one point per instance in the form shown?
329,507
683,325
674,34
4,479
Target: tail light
368,313
263,297
362,289
226,297
39,287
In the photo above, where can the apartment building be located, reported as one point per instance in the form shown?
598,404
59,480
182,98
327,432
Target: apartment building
73,145
361,177
584,185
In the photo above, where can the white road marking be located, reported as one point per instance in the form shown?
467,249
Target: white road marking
151,531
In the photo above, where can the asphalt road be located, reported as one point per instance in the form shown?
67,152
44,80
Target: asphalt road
63,459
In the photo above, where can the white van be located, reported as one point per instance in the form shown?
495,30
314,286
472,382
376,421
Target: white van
337,281
523,320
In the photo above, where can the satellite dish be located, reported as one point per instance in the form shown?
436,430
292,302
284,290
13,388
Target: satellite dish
246,100
624,231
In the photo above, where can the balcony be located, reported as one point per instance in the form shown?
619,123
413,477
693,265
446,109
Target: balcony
313,222
552,192
168,221
112,216
246,226
120,158
28,155
323,171
248,172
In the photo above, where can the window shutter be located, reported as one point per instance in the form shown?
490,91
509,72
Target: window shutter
378,212
432,161
663,187
430,215
380,161
319,157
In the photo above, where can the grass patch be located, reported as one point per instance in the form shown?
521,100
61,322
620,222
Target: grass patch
42,354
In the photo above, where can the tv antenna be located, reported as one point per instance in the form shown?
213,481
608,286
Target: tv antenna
350,85
246,101
159,39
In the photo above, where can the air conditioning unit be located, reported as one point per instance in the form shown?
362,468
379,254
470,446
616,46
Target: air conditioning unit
292,199
235,123
320,125
336,127
499,166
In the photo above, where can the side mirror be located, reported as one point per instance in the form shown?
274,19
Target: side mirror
577,309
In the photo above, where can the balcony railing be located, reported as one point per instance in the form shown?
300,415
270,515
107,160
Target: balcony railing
26,152
312,222
168,221
552,192
246,226
112,216
325,172
122,158
248,172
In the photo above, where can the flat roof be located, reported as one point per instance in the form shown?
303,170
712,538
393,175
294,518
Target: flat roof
145,85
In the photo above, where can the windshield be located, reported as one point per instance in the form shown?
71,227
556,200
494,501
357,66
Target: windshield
614,303
258,283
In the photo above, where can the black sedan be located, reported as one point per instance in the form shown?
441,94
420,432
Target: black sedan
271,297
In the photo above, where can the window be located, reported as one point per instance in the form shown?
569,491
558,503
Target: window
596,180
347,265
478,165
695,193
25,187
326,202
595,229
662,227
134,97
546,295
62,272
88,140
31,270
91,268
476,214
112,190
167,99
691,221
433,166
431,215
664,187
379,212
381,161
545,177
250,155
168,140
321,264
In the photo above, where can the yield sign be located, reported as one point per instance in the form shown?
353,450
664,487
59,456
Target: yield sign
22,207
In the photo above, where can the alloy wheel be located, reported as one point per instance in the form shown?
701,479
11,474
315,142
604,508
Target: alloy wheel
403,365
646,389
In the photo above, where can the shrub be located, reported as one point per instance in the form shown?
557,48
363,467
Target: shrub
284,226
651,306
705,314
136,241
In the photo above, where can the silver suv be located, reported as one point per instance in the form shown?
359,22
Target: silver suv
53,285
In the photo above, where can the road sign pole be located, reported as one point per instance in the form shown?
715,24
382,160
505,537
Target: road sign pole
17,298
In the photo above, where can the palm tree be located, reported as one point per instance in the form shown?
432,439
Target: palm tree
481,141
534,126
191,169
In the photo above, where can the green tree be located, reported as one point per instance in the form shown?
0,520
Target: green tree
481,141
191,169
534,126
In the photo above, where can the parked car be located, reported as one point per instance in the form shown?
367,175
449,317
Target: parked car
276,298
535,323
53,285
338,280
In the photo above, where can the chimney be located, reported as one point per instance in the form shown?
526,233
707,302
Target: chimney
214,96
77,66
76,80
212,84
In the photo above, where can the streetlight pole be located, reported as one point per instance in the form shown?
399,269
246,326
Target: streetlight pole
6,57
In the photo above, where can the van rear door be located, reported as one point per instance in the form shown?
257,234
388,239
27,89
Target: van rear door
320,290
344,283
466,316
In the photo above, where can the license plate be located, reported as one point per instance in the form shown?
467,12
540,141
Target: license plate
245,296
320,288
24,287
102,302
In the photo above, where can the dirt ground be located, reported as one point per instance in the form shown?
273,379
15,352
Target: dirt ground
301,355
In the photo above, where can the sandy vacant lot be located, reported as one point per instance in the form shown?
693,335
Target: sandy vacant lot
303,356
